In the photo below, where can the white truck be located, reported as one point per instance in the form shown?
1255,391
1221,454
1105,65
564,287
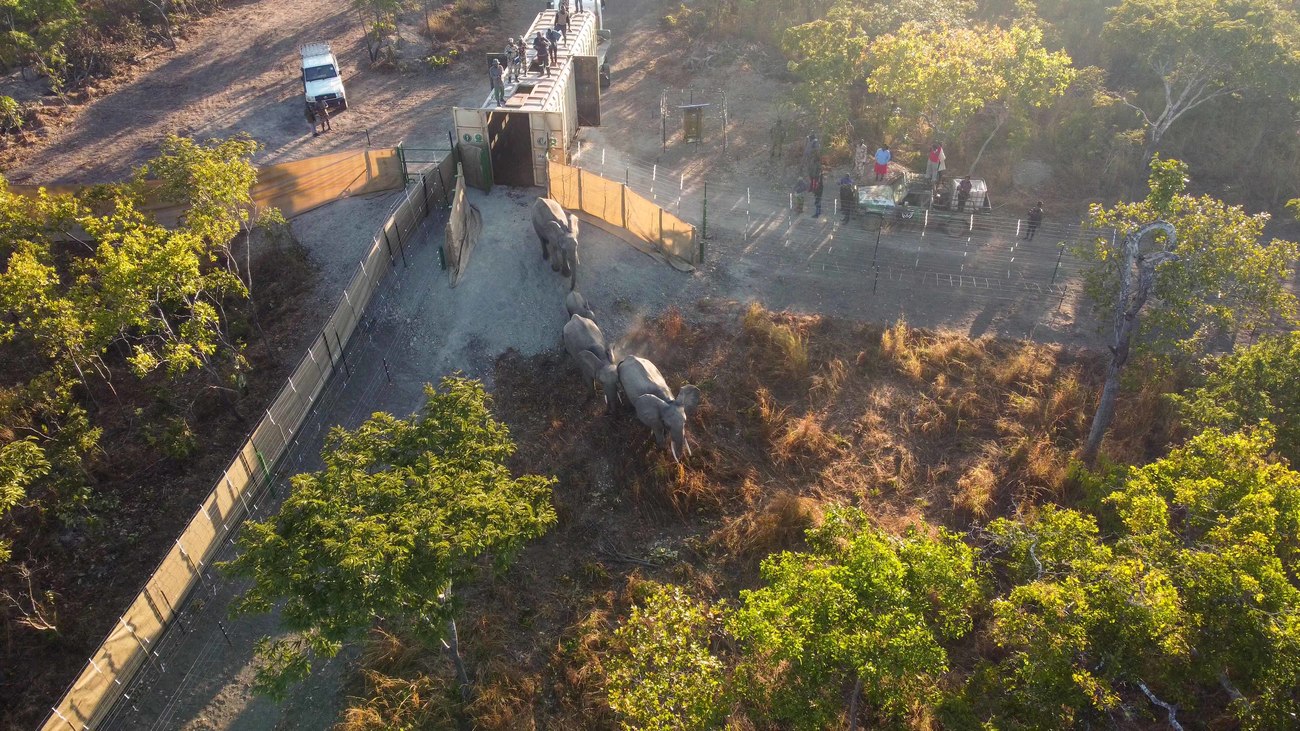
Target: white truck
321,81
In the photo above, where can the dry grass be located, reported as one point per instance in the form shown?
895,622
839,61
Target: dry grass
975,491
460,24
778,524
803,440
782,349
798,412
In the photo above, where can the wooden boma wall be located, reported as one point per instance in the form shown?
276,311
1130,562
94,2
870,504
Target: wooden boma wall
611,201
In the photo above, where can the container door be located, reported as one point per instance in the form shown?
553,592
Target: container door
472,147
548,139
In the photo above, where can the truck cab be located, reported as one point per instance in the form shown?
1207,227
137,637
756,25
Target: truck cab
321,80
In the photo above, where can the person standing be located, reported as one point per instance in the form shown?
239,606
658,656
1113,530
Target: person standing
311,119
934,166
562,19
777,138
814,168
816,184
848,196
498,86
861,159
883,156
812,148
323,114
512,68
542,48
554,35
963,193
577,6
1035,220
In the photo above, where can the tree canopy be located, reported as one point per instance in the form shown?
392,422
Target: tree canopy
403,510
861,609
1252,384
1227,279
663,674
1196,591
1202,50
939,77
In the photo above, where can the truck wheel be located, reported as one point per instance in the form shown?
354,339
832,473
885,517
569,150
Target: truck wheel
343,106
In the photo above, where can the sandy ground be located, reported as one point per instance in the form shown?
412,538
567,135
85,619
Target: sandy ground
238,72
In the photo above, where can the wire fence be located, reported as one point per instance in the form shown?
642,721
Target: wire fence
983,254
141,646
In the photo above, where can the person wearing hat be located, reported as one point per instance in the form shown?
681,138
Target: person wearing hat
495,73
1035,220
512,65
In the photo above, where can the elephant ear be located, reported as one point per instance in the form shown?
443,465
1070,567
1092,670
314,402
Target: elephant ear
573,224
688,398
590,364
649,410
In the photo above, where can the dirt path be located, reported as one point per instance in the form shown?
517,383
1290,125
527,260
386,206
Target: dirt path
238,72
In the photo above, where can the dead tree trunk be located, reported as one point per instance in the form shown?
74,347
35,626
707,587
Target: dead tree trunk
1127,309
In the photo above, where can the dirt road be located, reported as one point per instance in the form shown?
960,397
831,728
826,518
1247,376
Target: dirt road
238,72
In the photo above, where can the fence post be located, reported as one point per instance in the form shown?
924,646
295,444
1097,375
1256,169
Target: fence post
661,229
401,158
704,234
579,187
701,247
622,205
1060,252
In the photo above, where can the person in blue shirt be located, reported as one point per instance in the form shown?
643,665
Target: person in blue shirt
882,162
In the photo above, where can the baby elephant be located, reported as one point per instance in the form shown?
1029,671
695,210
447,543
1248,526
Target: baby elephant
576,304
655,405
558,233
586,343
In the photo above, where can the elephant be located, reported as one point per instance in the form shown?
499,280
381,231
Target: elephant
655,405
576,304
559,236
586,343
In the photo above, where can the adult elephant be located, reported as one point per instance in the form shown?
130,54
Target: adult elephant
586,343
558,233
656,407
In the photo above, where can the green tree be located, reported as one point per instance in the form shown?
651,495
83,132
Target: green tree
403,511
1199,51
1196,592
1217,280
213,182
35,35
21,463
941,76
830,54
1254,383
861,609
1223,518
662,674
1079,622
